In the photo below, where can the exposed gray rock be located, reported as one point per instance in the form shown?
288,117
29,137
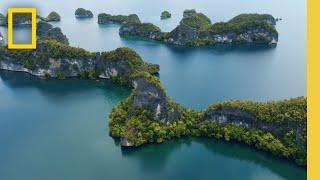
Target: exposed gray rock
125,142
149,96
228,115
1,40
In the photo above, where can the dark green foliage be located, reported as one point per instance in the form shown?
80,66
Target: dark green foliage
165,15
89,74
200,42
143,30
55,34
286,111
142,128
43,27
253,17
121,19
198,21
83,13
53,16
132,58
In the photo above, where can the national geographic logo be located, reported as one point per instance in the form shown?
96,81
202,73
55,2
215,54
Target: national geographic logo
33,12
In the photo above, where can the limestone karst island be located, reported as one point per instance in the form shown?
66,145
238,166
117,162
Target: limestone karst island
116,90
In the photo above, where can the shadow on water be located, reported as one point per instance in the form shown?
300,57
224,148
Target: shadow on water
217,49
153,157
54,87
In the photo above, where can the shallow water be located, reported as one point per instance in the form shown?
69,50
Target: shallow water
51,129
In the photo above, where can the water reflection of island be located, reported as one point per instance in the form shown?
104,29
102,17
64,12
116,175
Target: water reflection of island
154,157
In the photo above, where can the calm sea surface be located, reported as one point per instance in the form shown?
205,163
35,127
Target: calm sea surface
58,129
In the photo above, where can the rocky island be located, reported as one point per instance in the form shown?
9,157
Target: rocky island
55,59
149,115
196,29
46,31
104,18
83,13
165,15
52,17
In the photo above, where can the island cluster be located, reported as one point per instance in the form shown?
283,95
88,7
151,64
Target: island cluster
149,115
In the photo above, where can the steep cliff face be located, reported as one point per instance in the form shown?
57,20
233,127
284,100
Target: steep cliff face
149,95
196,29
55,59
147,107
283,124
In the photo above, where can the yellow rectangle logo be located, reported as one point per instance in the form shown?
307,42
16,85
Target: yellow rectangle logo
33,44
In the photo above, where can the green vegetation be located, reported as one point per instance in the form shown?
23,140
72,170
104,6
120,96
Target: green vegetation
279,112
53,16
55,34
200,42
198,21
140,127
135,64
83,13
104,18
141,30
253,17
46,49
165,15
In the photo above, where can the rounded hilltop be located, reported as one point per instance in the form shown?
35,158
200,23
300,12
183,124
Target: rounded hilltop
53,16
83,13
165,15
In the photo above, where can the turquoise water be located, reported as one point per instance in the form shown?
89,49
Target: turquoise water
52,129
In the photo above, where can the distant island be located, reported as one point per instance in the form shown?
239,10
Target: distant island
104,18
165,15
196,29
149,115
25,18
83,13
52,17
